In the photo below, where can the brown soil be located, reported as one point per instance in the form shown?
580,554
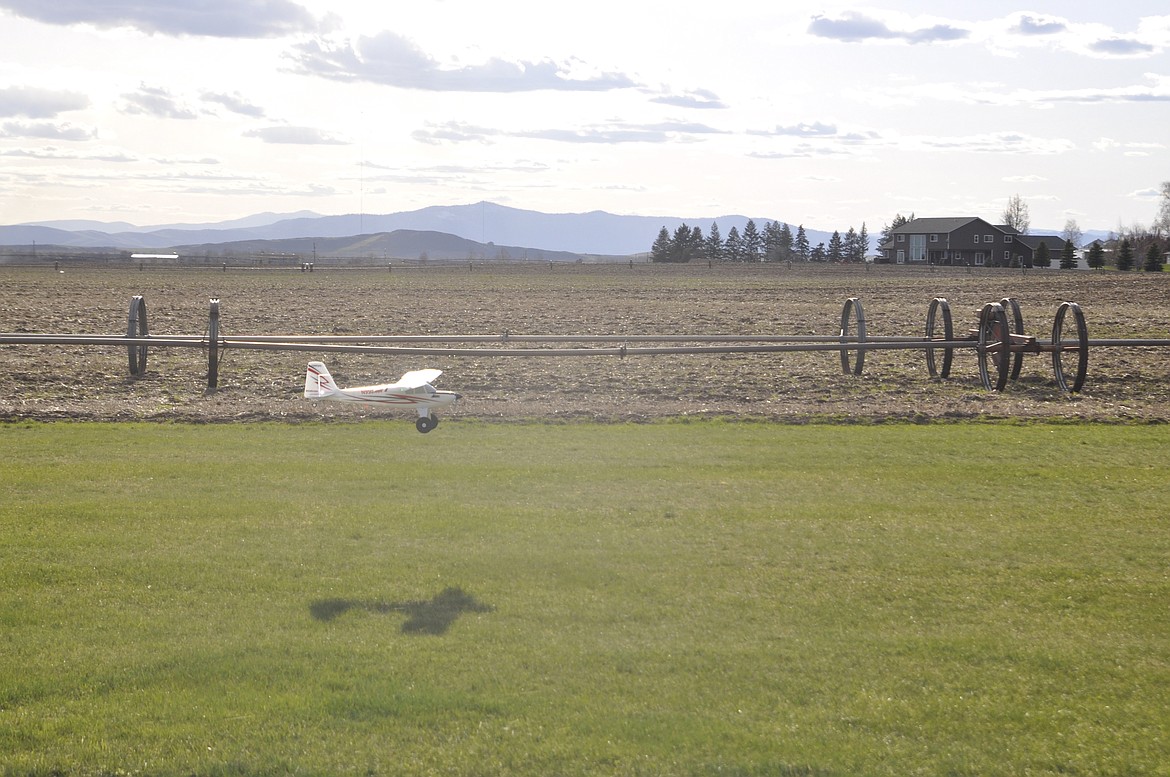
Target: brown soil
1125,383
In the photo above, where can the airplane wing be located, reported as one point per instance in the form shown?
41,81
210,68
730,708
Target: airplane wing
416,378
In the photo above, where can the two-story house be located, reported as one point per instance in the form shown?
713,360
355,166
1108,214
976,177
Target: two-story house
966,241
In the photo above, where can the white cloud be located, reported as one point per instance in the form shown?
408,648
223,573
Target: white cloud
301,136
1121,47
606,134
390,59
45,130
155,101
235,103
994,143
39,103
53,153
699,98
1157,89
854,27
212,18
1027,24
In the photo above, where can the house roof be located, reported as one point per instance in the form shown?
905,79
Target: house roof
1055,242
935,225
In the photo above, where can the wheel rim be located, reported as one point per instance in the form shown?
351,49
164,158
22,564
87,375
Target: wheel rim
852,310
1075,353
939,306
993,346
136,328
1017,323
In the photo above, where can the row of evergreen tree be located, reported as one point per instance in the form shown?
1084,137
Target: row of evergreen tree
1127,258
775,243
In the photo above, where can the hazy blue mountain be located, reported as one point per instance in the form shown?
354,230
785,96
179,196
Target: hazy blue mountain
409,244
113,227
594,233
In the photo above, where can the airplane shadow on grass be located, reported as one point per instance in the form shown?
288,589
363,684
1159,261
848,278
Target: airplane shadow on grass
433,616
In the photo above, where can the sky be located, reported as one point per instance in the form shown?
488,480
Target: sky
824,114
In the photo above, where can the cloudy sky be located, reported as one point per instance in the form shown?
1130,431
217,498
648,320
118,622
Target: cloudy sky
825,114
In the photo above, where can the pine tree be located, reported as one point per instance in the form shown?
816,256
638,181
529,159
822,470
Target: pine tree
849,248
751,242
1154,258
714,244
1125,256
660,251
772,241
836,252
802,247
888,229
1042,258
1068,256
1096,256
863,242
734,246
785,243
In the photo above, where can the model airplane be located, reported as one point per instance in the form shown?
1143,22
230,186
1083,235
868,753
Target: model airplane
413,389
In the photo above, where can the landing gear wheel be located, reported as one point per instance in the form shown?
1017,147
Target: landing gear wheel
938,306
1077,350
1016,319
852,306
426,423
994,346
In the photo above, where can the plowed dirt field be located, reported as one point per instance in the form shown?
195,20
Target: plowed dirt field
1124,384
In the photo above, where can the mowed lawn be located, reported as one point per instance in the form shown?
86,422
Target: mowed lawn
535,599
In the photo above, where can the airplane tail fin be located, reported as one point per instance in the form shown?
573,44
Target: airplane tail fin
318,382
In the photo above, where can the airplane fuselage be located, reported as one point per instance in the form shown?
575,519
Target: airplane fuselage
399,396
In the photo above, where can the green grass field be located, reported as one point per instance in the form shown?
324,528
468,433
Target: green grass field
534,599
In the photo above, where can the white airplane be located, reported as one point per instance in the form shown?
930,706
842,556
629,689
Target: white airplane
413,389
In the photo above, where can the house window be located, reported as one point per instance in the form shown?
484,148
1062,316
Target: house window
934,238
1007,238
918,248
901,238
977,238
988,239
980,259
1007,257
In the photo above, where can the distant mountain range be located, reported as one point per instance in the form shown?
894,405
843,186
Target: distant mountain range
482,230
486,229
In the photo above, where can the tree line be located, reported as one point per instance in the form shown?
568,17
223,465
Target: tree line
1133,247
776,242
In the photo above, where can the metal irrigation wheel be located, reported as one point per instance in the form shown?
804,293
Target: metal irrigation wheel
213,345
852,309
939,305
136,327
1078,349
1017,322
994,346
